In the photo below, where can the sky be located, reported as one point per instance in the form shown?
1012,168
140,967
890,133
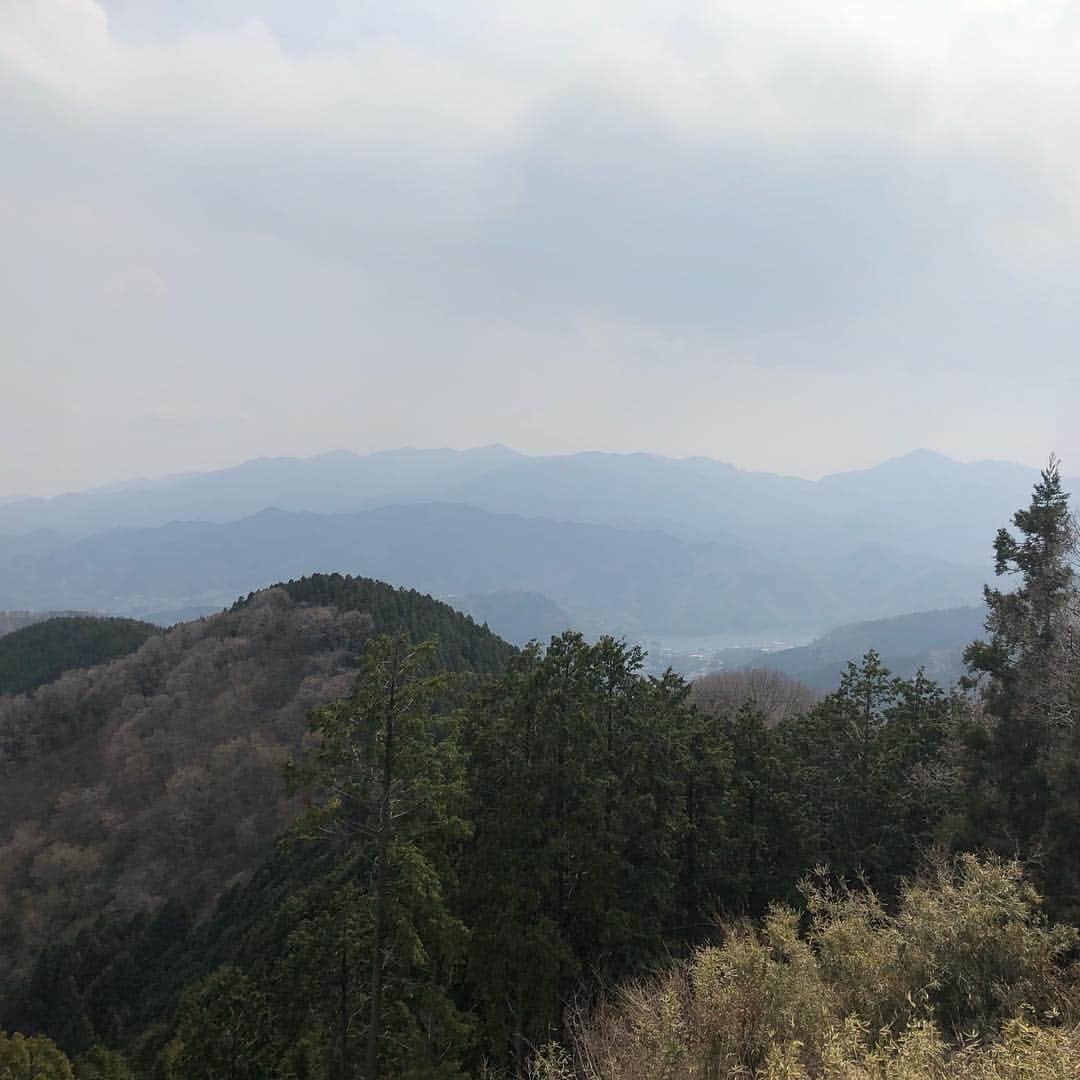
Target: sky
797,237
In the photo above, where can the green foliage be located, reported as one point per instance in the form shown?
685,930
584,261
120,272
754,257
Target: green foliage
568,823
1022,749
576,767
101,1064
868,772
40,653
1028,656
461,644
391,791
36,1058
224,1030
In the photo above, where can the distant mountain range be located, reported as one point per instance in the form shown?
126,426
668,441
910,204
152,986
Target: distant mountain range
605,579
633,543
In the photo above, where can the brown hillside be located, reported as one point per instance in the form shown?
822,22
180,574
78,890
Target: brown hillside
159,775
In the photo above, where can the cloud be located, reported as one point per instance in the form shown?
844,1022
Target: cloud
371,226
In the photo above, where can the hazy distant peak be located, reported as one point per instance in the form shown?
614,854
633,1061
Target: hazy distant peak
333,456
272,513
494,450
920,460
921,456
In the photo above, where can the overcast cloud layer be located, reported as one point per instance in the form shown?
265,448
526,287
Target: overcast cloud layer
797,237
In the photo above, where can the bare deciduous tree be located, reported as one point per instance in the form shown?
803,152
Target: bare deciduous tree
776,695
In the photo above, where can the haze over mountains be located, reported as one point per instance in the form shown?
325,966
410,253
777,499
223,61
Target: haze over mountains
635,544
933,641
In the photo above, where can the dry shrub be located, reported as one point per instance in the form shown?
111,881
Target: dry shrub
761,988
775,695
975,937
964,981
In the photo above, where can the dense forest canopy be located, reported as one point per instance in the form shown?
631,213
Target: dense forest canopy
546,862
39,653
11,621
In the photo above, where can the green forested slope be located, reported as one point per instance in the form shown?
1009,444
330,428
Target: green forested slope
42,652
577,822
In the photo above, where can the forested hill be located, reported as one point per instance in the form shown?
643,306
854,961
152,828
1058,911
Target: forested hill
43,651
158,775
10,621
933,641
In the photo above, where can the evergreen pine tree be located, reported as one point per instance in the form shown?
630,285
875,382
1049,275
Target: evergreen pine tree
388,790
1026,668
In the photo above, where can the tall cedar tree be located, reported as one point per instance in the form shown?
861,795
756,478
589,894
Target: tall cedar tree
1028,669
866,768
389,789
577,806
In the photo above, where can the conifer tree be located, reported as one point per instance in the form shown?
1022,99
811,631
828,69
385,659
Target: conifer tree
388,789
1027,664
574,869
862,762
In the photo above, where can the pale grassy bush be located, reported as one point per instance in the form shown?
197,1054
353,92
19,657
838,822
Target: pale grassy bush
974,936
761,988
964,981
642,1034
862,956
551,1062
1022,1051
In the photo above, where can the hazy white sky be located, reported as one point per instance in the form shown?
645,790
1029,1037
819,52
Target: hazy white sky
795,236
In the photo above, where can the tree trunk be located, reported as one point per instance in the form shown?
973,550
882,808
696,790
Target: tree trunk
343,1010
386,836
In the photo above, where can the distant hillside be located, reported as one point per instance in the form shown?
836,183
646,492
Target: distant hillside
329,483
932,640
604,578
159,775
39,653
516,615
13,544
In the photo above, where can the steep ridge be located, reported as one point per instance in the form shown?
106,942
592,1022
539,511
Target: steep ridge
158,775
